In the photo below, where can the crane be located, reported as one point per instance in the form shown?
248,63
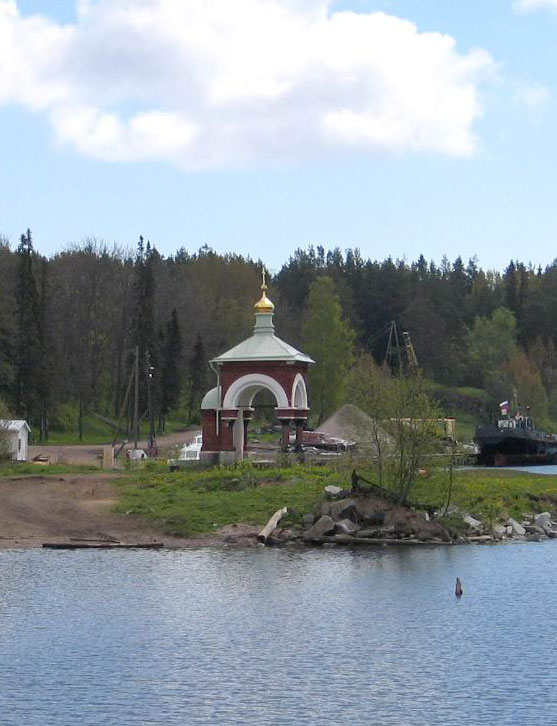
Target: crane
400,357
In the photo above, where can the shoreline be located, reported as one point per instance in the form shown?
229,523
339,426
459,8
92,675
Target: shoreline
109,507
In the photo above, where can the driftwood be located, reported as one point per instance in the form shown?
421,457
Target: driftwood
102,546
271,525
350,540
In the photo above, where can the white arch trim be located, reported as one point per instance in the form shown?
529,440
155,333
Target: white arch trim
249,385
299,392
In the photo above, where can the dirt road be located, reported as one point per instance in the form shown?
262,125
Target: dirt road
37,509
84,454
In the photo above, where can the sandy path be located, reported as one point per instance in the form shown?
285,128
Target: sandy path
39,509
84,453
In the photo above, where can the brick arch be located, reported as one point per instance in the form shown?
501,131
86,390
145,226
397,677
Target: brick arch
242,392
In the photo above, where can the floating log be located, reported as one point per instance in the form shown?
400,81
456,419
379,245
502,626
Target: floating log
95,539
271,525
480,538
101,545
350,540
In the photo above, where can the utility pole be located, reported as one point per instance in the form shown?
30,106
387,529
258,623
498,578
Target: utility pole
150,370
136,402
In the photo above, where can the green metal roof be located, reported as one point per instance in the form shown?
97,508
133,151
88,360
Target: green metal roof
263,346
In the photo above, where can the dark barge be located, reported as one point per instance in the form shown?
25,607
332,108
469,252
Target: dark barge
515,441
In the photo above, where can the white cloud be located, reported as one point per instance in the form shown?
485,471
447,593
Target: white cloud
526,6
215,82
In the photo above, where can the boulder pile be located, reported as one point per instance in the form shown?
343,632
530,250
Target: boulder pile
348,516
532,527
356,517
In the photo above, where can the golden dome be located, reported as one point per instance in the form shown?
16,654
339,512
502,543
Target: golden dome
264,305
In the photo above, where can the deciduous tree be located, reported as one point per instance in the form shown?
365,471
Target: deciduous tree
329,340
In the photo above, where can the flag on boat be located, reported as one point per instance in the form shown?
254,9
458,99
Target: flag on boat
505,407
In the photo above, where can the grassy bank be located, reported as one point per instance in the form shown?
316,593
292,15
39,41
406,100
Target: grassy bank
98,432
198,502
490,494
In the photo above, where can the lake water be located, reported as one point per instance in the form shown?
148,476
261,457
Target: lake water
265,636
548,470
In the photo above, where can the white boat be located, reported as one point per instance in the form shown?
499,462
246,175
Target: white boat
188,452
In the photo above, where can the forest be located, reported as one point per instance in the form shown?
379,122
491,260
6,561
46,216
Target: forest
70,325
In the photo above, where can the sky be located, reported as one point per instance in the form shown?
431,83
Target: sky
401,127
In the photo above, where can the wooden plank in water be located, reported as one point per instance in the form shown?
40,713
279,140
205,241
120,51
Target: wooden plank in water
101,545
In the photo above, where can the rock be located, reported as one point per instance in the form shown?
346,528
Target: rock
499,531
308,520
550,532
533,529
543,520
346,526
371,533
342,509
516,527
279,536
323,509
429,537
509,530
481,538
403,528
343,538
534,537
332,491
323,526
425,515
368,511
378,533
375,518
471,522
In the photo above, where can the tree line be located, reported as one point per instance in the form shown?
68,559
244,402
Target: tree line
489,335
70,325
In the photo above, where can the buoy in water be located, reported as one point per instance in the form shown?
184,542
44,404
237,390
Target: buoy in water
458,588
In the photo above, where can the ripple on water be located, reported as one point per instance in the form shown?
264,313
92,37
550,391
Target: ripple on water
277,637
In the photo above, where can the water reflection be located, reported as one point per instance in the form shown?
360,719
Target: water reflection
277,636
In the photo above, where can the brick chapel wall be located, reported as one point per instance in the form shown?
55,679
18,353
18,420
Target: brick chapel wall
283,373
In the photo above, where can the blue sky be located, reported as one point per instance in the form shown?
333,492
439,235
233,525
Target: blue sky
473,176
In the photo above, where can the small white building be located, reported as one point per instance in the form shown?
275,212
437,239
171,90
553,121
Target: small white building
18,437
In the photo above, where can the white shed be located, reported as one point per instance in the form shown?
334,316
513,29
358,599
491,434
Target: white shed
18,437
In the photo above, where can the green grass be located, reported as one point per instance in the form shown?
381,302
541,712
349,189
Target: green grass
490,494
201,501
96,432
197,502
476,393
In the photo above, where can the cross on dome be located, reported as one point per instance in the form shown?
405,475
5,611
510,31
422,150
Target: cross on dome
264,305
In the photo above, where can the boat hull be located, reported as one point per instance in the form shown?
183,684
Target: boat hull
505,447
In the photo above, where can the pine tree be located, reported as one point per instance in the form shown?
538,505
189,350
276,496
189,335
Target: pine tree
170,378
197,375
510,280
143,332
29,378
